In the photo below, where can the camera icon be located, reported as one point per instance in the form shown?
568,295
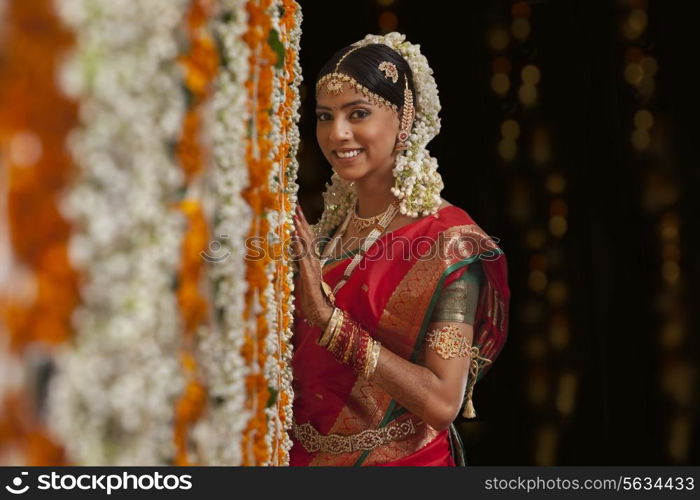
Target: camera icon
215,248
17,483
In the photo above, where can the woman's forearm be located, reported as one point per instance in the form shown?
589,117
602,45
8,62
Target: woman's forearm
418,389
421,390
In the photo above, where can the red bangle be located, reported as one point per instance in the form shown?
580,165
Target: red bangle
354,346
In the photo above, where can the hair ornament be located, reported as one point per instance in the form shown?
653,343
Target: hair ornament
389,70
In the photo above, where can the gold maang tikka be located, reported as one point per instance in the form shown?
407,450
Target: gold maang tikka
334,81
334,85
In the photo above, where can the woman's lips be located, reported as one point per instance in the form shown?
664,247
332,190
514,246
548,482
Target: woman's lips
348,160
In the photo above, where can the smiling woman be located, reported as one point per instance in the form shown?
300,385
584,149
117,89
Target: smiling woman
353,131
357,129
387,350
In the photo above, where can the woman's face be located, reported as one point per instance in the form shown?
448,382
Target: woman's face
348,123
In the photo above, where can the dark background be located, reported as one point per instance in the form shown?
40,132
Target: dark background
601,363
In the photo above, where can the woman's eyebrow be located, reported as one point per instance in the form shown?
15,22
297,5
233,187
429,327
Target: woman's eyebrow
346,105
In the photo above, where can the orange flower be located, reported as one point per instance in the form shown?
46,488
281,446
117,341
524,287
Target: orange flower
200,65
258,197
36,115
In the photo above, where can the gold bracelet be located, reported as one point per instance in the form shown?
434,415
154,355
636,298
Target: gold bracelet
334,327
328,292
335,334
330,326
373,359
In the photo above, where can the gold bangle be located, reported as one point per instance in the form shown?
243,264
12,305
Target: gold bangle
326,335
328,292
373,359
335,334
335,328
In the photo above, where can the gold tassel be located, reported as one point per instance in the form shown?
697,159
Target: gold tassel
469,411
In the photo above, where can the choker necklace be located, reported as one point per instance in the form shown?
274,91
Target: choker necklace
362,223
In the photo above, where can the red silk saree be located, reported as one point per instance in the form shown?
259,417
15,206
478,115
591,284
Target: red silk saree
392,293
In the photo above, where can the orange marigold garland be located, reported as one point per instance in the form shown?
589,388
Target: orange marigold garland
259,86
35,168
273,38
284,39
200,66
193,308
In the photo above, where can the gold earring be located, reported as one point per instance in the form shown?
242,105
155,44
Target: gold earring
408,113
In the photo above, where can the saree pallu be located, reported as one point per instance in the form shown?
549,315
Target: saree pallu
391,293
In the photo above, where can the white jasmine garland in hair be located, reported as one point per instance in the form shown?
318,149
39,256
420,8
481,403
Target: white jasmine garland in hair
112,399
218,433
417,184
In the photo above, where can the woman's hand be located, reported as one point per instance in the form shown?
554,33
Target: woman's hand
313,303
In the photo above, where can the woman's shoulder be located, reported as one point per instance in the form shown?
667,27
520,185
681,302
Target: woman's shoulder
458,228
447,215
452,215
455,222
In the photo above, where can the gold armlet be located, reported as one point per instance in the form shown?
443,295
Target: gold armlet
448,342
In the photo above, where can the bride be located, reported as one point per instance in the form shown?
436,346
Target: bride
407,302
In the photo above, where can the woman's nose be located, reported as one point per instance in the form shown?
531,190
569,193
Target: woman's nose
340,130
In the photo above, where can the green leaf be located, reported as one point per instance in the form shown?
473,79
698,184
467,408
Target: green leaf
273,397
189,96
278,47
180,192
227,16
220,315
221,50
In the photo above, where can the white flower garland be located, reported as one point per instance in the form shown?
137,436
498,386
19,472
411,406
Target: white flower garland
128,245
277,369
418,183
274,219
112,399
218,433
293,139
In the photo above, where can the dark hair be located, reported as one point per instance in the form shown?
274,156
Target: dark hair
363,65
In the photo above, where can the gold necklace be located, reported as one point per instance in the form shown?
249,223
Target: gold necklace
361,223
374,234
